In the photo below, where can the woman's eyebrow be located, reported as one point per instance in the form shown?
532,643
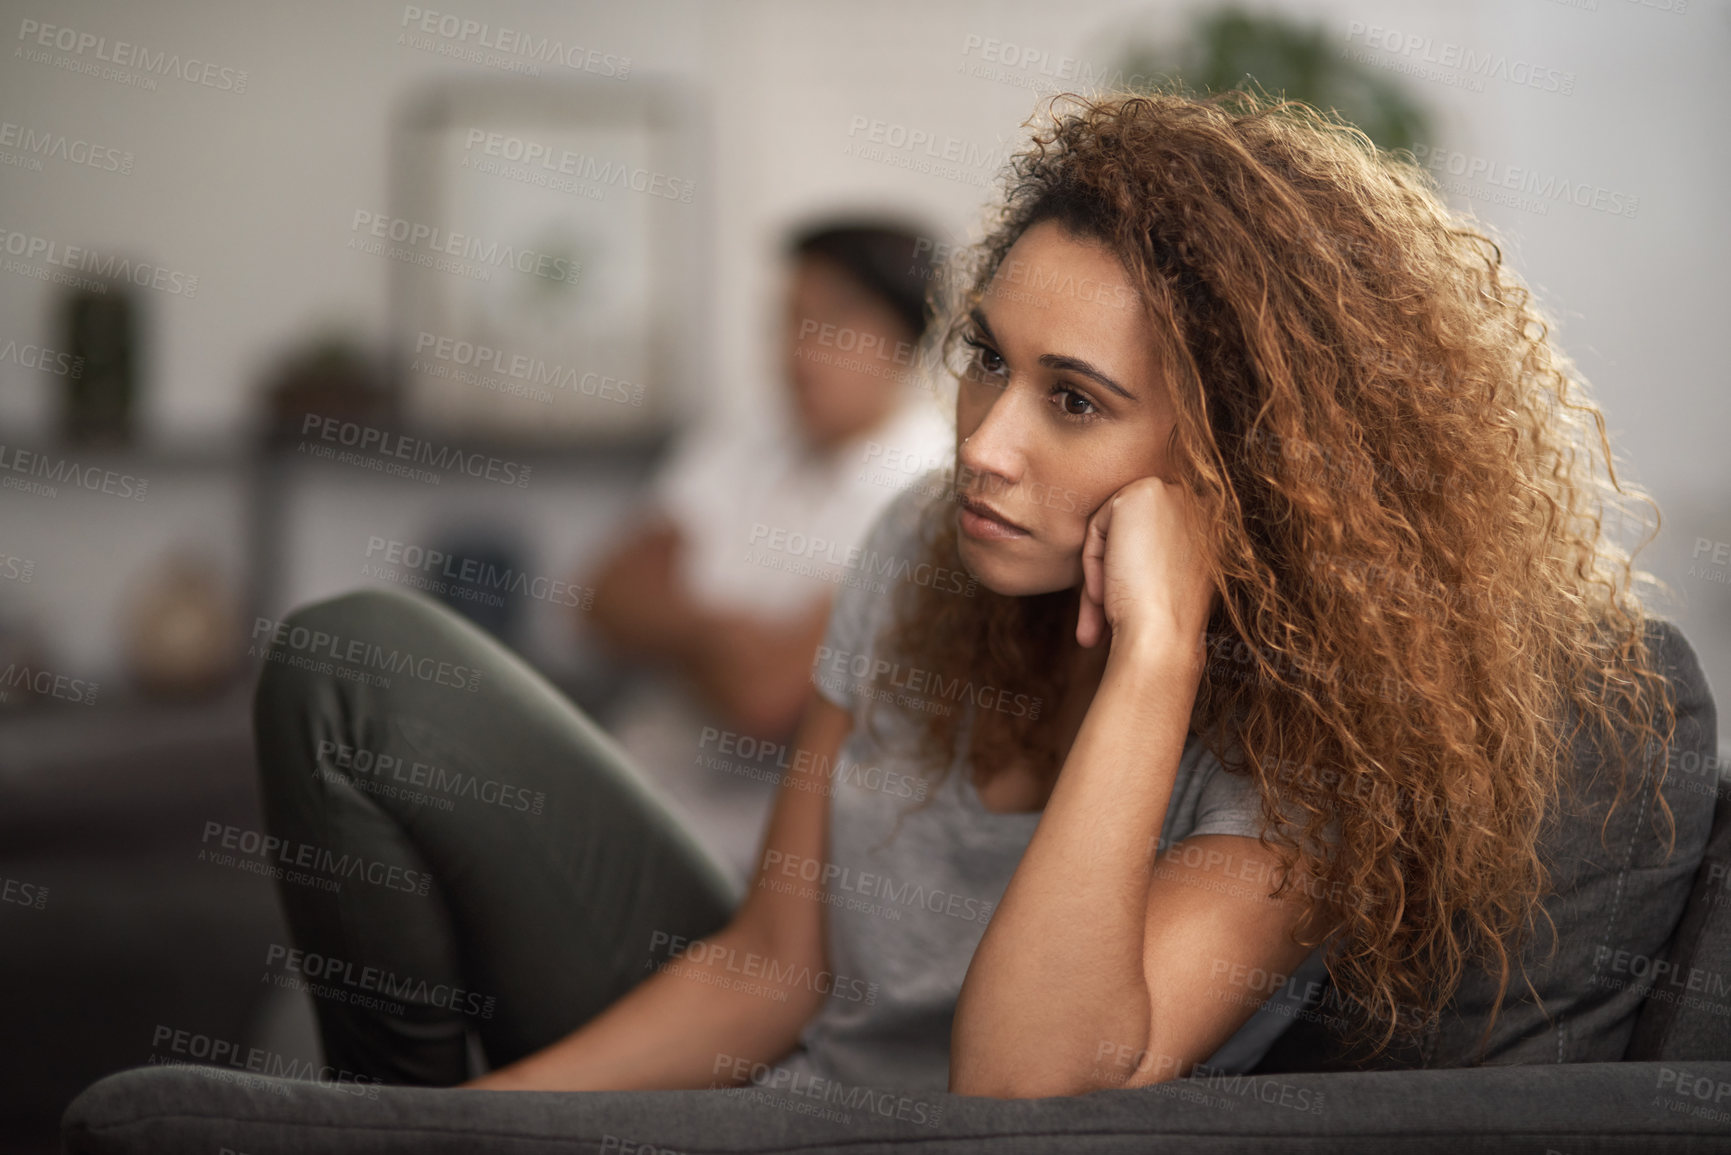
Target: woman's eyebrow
1055,360
978,316
1077,365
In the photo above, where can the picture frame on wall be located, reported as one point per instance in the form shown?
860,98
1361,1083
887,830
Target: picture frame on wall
546,240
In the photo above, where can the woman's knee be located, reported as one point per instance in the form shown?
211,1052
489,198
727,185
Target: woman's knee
317,643
347,629
365,615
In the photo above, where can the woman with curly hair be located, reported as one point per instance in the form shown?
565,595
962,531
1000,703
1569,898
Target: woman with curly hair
1265,659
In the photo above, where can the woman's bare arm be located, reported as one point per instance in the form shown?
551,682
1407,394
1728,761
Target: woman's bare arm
675,1030
1060,967
1095,952
1101,967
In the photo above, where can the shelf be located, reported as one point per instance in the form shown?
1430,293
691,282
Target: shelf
239,453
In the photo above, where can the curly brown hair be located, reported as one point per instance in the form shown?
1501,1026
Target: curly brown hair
1419,583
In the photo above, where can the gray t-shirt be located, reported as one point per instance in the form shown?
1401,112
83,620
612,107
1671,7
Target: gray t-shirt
905,913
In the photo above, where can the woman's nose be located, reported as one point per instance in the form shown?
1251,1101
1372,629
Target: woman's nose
995,447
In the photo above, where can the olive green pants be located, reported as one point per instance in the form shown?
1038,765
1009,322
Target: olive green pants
457,846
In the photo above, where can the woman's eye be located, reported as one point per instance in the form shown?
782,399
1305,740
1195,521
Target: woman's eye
985,358
1069,399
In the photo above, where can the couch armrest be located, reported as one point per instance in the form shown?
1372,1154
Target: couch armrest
1640,1108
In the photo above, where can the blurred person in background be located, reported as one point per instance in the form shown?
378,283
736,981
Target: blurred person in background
723,583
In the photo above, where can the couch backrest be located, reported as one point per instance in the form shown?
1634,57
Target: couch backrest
1627,911
1687,1015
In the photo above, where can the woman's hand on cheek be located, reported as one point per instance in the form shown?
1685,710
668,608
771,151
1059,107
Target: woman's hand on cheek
1145,569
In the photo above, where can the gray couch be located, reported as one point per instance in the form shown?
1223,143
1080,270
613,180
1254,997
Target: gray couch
1627,1050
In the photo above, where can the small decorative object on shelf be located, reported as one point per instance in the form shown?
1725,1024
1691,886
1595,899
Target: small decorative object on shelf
183,631
331,378
101,328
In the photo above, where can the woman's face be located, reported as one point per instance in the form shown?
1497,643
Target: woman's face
1062,405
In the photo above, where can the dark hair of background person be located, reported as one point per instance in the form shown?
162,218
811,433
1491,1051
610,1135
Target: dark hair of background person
890,259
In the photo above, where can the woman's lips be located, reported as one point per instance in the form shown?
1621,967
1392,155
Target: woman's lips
976,522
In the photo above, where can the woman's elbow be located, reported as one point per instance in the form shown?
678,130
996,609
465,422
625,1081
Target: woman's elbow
1030,1081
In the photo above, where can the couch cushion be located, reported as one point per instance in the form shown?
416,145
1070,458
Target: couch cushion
1615,904
1607,1108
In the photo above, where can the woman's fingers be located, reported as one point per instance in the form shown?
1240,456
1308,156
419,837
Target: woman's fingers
1091,619
1091,623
